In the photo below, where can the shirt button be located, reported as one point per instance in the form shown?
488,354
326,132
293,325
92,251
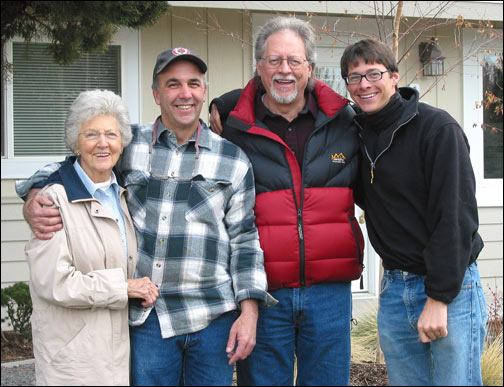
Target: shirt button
130,257
290,129
158,265
97,211
212,189
172,173
164,218
168,195
161,241
177,153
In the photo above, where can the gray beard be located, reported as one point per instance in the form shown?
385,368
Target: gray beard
284,100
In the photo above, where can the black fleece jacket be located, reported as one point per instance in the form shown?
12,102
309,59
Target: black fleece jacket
419,192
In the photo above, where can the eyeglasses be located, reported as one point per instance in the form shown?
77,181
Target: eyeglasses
373,76
274,61
94,135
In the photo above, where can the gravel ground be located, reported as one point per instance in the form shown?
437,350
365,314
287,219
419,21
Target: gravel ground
21,375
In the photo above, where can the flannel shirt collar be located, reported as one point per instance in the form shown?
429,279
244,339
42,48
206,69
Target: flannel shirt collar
205,140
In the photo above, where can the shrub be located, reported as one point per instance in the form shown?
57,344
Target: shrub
491,359
364,337
16,299
491,362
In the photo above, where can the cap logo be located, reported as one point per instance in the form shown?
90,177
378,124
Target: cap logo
180,51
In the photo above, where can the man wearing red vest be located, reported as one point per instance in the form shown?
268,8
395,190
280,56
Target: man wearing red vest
304,149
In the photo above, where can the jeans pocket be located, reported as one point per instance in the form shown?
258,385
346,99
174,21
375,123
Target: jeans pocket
482,303
385,283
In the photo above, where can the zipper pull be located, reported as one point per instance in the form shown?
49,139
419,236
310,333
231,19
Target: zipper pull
300,225
372,173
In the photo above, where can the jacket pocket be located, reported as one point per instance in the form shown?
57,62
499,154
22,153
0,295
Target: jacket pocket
207,200
359,239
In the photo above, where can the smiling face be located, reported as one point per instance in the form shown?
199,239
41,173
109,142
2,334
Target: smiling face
284,86
180,93
372,97
100,145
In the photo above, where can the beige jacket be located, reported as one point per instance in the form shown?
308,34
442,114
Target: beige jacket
79,293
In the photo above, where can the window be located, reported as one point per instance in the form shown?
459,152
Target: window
24,150
482,72
331,75
492,120
43,91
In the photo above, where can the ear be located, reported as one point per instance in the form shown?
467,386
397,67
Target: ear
310,70
395,78
155,93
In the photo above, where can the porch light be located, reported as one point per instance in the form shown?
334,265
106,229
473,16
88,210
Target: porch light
431,58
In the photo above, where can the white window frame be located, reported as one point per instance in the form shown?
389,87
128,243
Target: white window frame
488,191
24,167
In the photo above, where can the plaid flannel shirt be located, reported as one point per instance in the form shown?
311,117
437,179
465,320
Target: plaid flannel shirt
194,219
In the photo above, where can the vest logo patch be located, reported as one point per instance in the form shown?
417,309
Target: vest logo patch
338,158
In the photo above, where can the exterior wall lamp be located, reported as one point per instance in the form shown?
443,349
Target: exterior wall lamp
431,58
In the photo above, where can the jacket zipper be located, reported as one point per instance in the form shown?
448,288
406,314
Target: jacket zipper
302,253
373,163
301,248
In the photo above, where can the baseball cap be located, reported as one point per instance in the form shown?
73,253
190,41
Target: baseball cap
168,56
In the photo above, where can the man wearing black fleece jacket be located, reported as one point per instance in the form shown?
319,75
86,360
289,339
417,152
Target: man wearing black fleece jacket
422,218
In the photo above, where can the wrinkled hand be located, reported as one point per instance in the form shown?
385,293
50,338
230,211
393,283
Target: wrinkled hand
42,220
433,321
143,288
215,121
243,331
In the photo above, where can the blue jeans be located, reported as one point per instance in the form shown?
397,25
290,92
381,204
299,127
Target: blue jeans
454,360
195,359
311,323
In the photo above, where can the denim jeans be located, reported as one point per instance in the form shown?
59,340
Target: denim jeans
454,360
195,359
312,323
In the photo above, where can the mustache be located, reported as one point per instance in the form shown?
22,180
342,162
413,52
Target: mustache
284,78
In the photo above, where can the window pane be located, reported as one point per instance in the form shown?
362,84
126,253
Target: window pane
332,76
492,137
43,91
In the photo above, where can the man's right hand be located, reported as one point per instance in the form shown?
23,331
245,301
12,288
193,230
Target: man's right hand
215,121
42,220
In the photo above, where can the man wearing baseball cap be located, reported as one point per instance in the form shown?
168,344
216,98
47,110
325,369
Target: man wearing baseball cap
191,195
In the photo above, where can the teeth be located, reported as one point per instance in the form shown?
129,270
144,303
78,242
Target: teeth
101,154
367,96
184,107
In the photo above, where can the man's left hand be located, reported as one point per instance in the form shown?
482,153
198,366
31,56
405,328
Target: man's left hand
243,331
433,322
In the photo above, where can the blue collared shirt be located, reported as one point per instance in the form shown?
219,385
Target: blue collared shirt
109,198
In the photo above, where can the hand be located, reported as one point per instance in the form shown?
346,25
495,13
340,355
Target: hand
243,331
215,121
433,321
143,288
42,220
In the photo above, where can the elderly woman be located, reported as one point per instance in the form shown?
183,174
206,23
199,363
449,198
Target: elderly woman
79,279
